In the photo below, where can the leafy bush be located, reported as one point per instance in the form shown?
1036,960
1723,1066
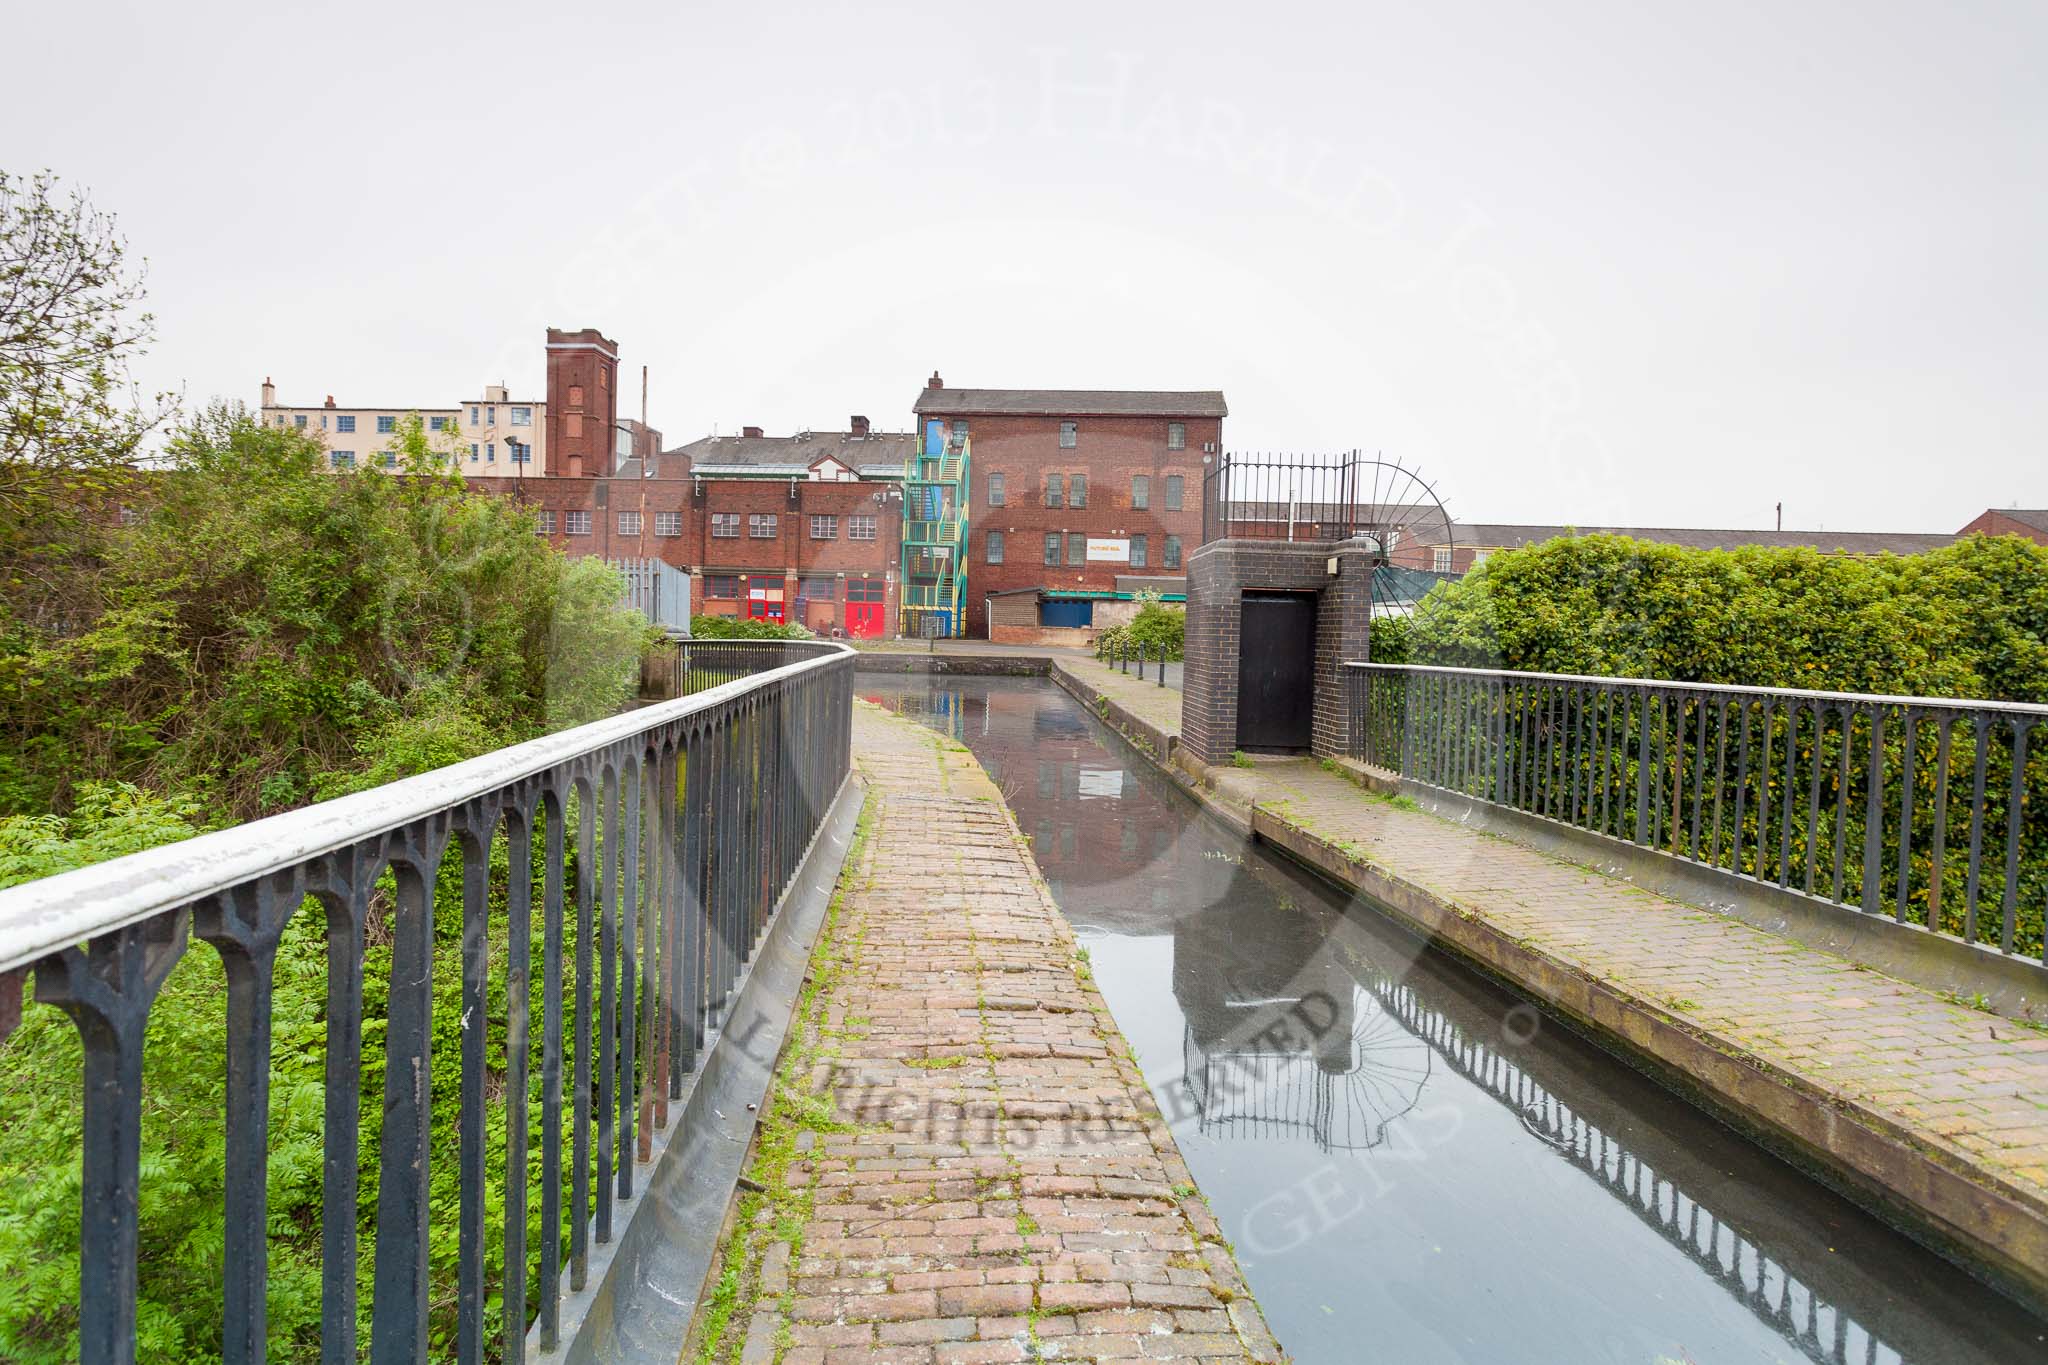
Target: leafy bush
1156,627
1392,639
737,628
270,632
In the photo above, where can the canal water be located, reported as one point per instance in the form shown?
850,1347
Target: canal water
1414,1165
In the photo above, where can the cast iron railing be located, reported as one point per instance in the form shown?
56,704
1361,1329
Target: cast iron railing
1931,812
658,841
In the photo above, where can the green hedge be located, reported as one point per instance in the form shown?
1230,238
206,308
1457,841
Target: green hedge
1157,627
737,628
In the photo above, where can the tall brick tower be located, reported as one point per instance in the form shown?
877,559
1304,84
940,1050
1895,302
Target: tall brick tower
583,402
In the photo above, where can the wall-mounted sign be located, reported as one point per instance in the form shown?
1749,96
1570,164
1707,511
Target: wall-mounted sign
1108,550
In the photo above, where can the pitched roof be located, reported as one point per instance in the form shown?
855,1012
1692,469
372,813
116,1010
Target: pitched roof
1508,536
2034,517
1071,402
878,453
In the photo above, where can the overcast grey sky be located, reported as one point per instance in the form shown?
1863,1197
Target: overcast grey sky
1660,264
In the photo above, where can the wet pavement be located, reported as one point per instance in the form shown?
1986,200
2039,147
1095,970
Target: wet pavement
1412,1164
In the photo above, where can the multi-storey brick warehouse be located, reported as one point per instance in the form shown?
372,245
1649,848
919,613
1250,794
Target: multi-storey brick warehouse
1079,497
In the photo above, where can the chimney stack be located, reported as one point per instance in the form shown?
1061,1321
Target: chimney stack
859,426
751,432
269,393
935,382
330,400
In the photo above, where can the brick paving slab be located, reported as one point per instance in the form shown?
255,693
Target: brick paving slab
990,1180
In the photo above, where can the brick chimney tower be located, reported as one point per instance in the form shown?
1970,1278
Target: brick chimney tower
935,382
583,402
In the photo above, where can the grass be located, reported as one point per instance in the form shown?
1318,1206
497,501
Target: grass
1238,759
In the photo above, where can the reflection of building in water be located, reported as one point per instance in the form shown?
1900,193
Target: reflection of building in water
1279,1040
1823,1330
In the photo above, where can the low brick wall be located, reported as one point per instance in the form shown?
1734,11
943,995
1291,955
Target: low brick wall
1044,637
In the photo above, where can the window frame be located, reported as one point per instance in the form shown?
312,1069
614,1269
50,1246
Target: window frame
668,523
998,488
576,522
630,523
991,547
1054,543
725,526
1138,549
1169,553
1141,492
344,424
1176,435
828,522
863,526
1077,549
1077,490
1055,490
1176,491
545,523
1070,435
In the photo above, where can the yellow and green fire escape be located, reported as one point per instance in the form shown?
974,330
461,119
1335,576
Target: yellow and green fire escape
934,577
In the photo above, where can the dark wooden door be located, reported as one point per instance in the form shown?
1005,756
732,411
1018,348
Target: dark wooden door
1276,667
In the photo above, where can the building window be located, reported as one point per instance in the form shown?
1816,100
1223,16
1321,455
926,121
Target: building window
860,528
819,589
490,452
761,525
995,489
1055,486
1176,435
1175,485
490,417
386,458
1052,547
1077,490
1169,554
1077,549
547,521
300,421
522,417
323,421
1443,559
725,525
668,523
475,452
520,453
387,425
437,424
866,590
1070,435
576,523
629,523
472,415
1137,552
721,585
824,528
341,459
1141,492
345,422
993,550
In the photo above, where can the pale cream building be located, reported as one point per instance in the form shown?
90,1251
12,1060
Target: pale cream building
495,435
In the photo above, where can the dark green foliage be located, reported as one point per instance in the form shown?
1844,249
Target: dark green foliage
269,633
1392,639
1969,620
737,628
1157,627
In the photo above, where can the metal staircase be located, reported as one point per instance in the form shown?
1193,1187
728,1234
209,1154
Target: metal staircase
933,582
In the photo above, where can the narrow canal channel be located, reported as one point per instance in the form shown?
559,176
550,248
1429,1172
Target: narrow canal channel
1413,1165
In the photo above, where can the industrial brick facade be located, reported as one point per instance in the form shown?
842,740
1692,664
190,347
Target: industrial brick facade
1141,475
583,402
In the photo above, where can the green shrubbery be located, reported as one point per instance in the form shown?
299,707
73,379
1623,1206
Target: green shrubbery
1157,627
268,633
1968,620
737,628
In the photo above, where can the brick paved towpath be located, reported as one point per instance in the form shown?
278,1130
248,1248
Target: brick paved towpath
960,1162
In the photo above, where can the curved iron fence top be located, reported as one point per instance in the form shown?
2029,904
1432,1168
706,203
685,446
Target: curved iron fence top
51,913
2029,710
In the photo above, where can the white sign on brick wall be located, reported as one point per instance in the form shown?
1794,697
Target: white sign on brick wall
1108,550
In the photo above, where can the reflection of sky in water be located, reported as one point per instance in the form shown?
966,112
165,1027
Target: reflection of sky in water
1412,1167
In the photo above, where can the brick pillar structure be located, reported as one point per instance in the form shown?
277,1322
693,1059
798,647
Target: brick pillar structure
1219,574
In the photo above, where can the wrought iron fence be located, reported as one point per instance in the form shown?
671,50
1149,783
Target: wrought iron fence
1931,812
645,852
1327,498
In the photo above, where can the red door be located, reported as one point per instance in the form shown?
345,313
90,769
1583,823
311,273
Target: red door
866,607
760,609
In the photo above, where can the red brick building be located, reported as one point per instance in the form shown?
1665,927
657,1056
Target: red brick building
583,402
1080,498
2011,521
